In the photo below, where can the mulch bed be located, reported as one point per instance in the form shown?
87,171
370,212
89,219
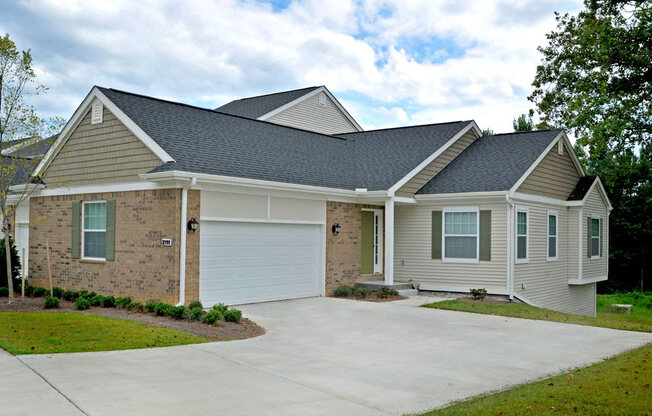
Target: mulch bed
224,331
485,300
371,297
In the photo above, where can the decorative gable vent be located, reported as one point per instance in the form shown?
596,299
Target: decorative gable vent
560,147
322,99
96,112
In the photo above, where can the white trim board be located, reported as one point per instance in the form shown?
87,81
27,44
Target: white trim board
462,289
590,280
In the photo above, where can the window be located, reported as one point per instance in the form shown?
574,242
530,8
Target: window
94,230
461,235
552,236
595,237
521,236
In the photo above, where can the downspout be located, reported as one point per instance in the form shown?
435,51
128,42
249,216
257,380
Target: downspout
510,246
389,240
182,240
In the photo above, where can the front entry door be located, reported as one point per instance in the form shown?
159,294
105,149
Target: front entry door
367,243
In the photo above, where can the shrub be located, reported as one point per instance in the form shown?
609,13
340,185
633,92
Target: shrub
70,295
108,302
136,307
343,291
57,292
386,292
478,294
122,302
89,295
221,308
51,302
211,317
150,305
15,265
176,312
29,290
361,292
39,292
96,300
195,304
194,314
82,303
233,315
162,309
4,291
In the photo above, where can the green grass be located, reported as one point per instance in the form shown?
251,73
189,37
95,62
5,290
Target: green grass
618,386
42,333
640,319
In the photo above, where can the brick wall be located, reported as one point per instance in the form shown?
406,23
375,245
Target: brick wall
343,250
142,269
192,248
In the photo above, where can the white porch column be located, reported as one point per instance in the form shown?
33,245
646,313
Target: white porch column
389,241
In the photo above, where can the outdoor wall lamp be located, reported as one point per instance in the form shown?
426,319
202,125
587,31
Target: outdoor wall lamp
336,228
192,225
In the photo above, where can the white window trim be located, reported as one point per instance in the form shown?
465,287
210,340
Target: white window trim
596,217
84,230
556,215
378,216
527,236
445,259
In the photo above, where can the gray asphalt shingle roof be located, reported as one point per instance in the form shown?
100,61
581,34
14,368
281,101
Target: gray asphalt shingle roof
254,107
211,142
582,187
491,163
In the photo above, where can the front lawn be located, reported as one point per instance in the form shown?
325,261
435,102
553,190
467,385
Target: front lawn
640,319
618,386
42,333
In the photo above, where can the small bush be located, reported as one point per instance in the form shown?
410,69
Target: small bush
51,302
96,300
82,303
57,292
29,290
150,305
343,291
221,308
233,315
194,314
39,292
162,309
361,292
386,292
478,294
70,295
89,295
211,317
195,304
176,312
136,307
108,302
4,291
122,302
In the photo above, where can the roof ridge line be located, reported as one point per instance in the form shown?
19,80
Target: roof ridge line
224,114
405,127
521,132
274,93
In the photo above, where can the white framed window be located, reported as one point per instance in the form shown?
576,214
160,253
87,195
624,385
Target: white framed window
552,235
595,237
522,235
94,230
460,236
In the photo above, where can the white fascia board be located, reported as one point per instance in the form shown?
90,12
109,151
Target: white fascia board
109,187
461,196
77,117
21,145
312,94
576,282
435,155
404,200
540,199
598,183
536,162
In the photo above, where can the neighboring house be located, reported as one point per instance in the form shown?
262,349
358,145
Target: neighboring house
290,198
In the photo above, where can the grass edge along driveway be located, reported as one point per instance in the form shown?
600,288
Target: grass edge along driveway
56,332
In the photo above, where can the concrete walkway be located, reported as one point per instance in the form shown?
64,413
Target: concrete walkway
321,356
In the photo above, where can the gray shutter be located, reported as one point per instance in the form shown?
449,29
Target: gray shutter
485,235
75,237
109,249
601,235
588,245
436,234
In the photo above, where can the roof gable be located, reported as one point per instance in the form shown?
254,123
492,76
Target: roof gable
258,106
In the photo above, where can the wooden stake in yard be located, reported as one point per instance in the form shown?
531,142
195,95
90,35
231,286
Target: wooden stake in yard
22,286
47,252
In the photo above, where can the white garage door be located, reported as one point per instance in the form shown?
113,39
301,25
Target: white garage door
244,262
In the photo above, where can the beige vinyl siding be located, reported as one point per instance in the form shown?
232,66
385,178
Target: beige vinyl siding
101,153
545,282
555,177
413,257
594,205
436,166
574,243
309,115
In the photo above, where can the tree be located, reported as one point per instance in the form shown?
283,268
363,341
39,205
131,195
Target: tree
487,132
20,127
595,80
523,123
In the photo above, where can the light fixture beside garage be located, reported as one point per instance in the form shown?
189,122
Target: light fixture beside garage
192,225
336,228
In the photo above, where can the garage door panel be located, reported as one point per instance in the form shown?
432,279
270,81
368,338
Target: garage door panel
256,262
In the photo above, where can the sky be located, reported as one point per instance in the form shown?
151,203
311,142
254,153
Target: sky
390,62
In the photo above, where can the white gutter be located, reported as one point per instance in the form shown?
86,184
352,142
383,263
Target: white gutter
182,240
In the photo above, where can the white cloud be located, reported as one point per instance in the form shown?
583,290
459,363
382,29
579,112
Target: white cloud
209,52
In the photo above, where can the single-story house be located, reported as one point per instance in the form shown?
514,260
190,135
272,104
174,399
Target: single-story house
284,196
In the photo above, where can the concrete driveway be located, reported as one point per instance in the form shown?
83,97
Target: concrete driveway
321,356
